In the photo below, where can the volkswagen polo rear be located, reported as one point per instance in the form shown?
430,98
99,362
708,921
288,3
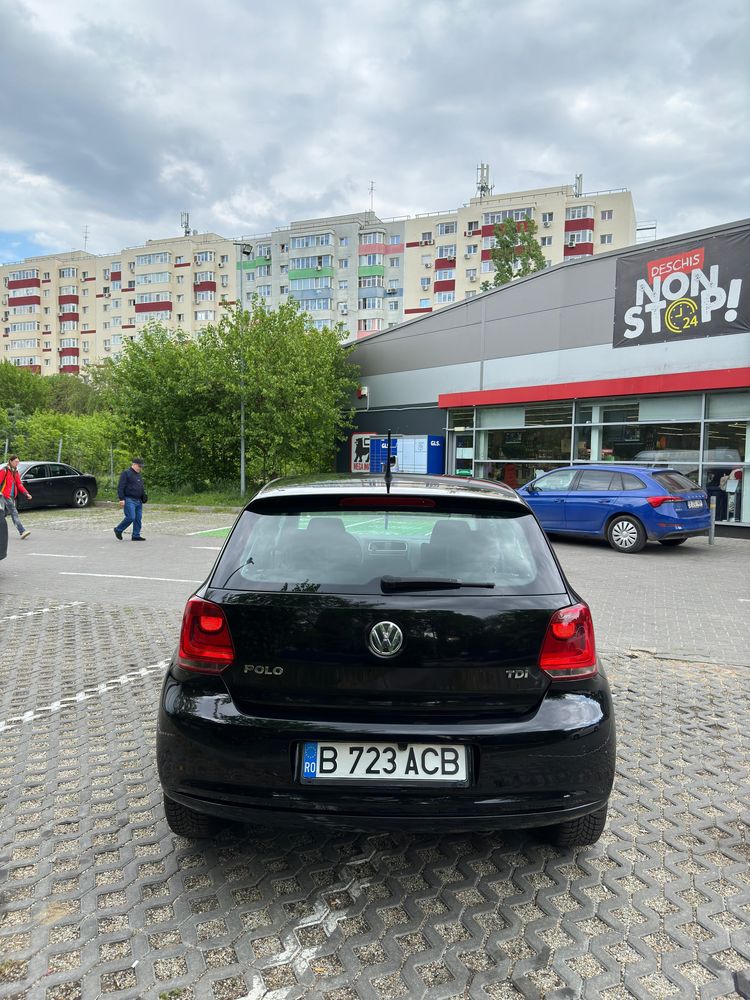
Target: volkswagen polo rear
402,659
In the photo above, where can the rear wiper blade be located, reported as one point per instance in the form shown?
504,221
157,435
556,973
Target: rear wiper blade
390,584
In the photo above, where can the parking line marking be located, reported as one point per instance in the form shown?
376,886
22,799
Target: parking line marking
209,548
123,576
41,611
55,555
207,531
81,696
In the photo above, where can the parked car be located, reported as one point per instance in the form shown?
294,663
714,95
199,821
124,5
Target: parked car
623,504
52,484
409,659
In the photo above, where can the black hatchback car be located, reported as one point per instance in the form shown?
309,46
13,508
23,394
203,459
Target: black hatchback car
53,484
403,659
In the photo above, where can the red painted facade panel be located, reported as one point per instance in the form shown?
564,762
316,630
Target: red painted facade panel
69,369
578,249
486,255
448,285
204,286
441,262
128,326
395,248
24,300
414,243
65,317
90,279
637,385
115,276
427,310
69,352
25,283
576,225
37,369
144,307
65,300
365,248
187,263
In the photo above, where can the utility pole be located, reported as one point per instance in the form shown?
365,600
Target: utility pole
372,195
244,250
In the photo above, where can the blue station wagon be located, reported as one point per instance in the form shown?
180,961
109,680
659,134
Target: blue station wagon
623,504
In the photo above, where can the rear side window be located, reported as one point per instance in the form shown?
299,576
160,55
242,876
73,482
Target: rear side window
350,551
596,480
631,482
675,482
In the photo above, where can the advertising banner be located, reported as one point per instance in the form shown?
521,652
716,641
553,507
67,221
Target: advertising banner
699,290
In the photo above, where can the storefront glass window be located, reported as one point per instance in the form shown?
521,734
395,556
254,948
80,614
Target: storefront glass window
548,413
726,442
666,443
538,443
461,418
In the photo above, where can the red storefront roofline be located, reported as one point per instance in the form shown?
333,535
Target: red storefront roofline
639,385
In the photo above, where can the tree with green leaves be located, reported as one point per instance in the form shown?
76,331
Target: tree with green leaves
516,252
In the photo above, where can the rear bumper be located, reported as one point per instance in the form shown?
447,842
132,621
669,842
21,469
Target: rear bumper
661,526
557,765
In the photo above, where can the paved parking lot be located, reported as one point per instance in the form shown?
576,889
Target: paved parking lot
99,899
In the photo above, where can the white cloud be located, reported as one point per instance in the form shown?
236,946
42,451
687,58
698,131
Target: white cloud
251,115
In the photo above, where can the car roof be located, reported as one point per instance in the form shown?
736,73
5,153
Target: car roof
456,487
648,470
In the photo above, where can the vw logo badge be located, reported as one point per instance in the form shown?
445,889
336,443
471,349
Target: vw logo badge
386,639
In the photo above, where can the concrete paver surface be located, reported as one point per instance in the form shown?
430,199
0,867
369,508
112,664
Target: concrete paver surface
99,899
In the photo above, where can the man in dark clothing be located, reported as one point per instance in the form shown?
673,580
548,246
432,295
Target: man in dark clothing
132,497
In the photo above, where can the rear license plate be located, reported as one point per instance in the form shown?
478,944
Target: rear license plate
384,762
695,503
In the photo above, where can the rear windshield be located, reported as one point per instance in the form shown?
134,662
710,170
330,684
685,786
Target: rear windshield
675,482
351,551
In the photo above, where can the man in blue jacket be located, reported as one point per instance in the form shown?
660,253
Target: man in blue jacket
132,497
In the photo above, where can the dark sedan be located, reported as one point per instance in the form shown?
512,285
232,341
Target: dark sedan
412,658
52,484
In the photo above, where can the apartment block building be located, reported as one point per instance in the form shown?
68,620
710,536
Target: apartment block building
64,312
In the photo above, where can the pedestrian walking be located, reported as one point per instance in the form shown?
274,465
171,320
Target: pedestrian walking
10,487
132,498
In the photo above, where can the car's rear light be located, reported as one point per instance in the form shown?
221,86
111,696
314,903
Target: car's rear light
569,649
658,501
205,643
387,501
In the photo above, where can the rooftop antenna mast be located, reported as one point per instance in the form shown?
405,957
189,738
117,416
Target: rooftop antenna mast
484,188
578,190
388,473
85,237
372,196
185,222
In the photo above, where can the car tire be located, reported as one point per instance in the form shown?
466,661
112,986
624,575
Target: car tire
626,534
671,542
187,822
582,831
81,497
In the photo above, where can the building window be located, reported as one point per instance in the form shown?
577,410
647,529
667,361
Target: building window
395,240
471,273
580,212
487,266
472,248
446,228
156,278
369,303
447,250
144,259
606,214
427,259
547,217
343,284
605,239
442,297
344,241
264,290
393,305
312,240
264,271
424,303
472,226
582,236
394,261
545,241
447,274
424,283
205,276
426,237
203,257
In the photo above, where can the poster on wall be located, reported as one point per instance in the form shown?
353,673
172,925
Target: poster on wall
701,290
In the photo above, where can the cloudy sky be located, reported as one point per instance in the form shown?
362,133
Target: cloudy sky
116,117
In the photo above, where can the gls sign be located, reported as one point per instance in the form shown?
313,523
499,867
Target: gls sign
700,291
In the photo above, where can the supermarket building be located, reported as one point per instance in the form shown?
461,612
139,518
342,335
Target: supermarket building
637,356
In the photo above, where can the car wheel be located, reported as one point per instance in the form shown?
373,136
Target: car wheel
81,497
187,822
626,534
672,541
581,831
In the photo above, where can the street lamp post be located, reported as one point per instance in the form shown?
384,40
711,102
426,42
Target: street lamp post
245,250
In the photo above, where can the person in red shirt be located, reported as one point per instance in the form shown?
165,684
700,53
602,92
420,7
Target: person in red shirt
10,487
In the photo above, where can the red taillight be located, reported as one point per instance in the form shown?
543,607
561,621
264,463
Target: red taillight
569,649
658,501
205,642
